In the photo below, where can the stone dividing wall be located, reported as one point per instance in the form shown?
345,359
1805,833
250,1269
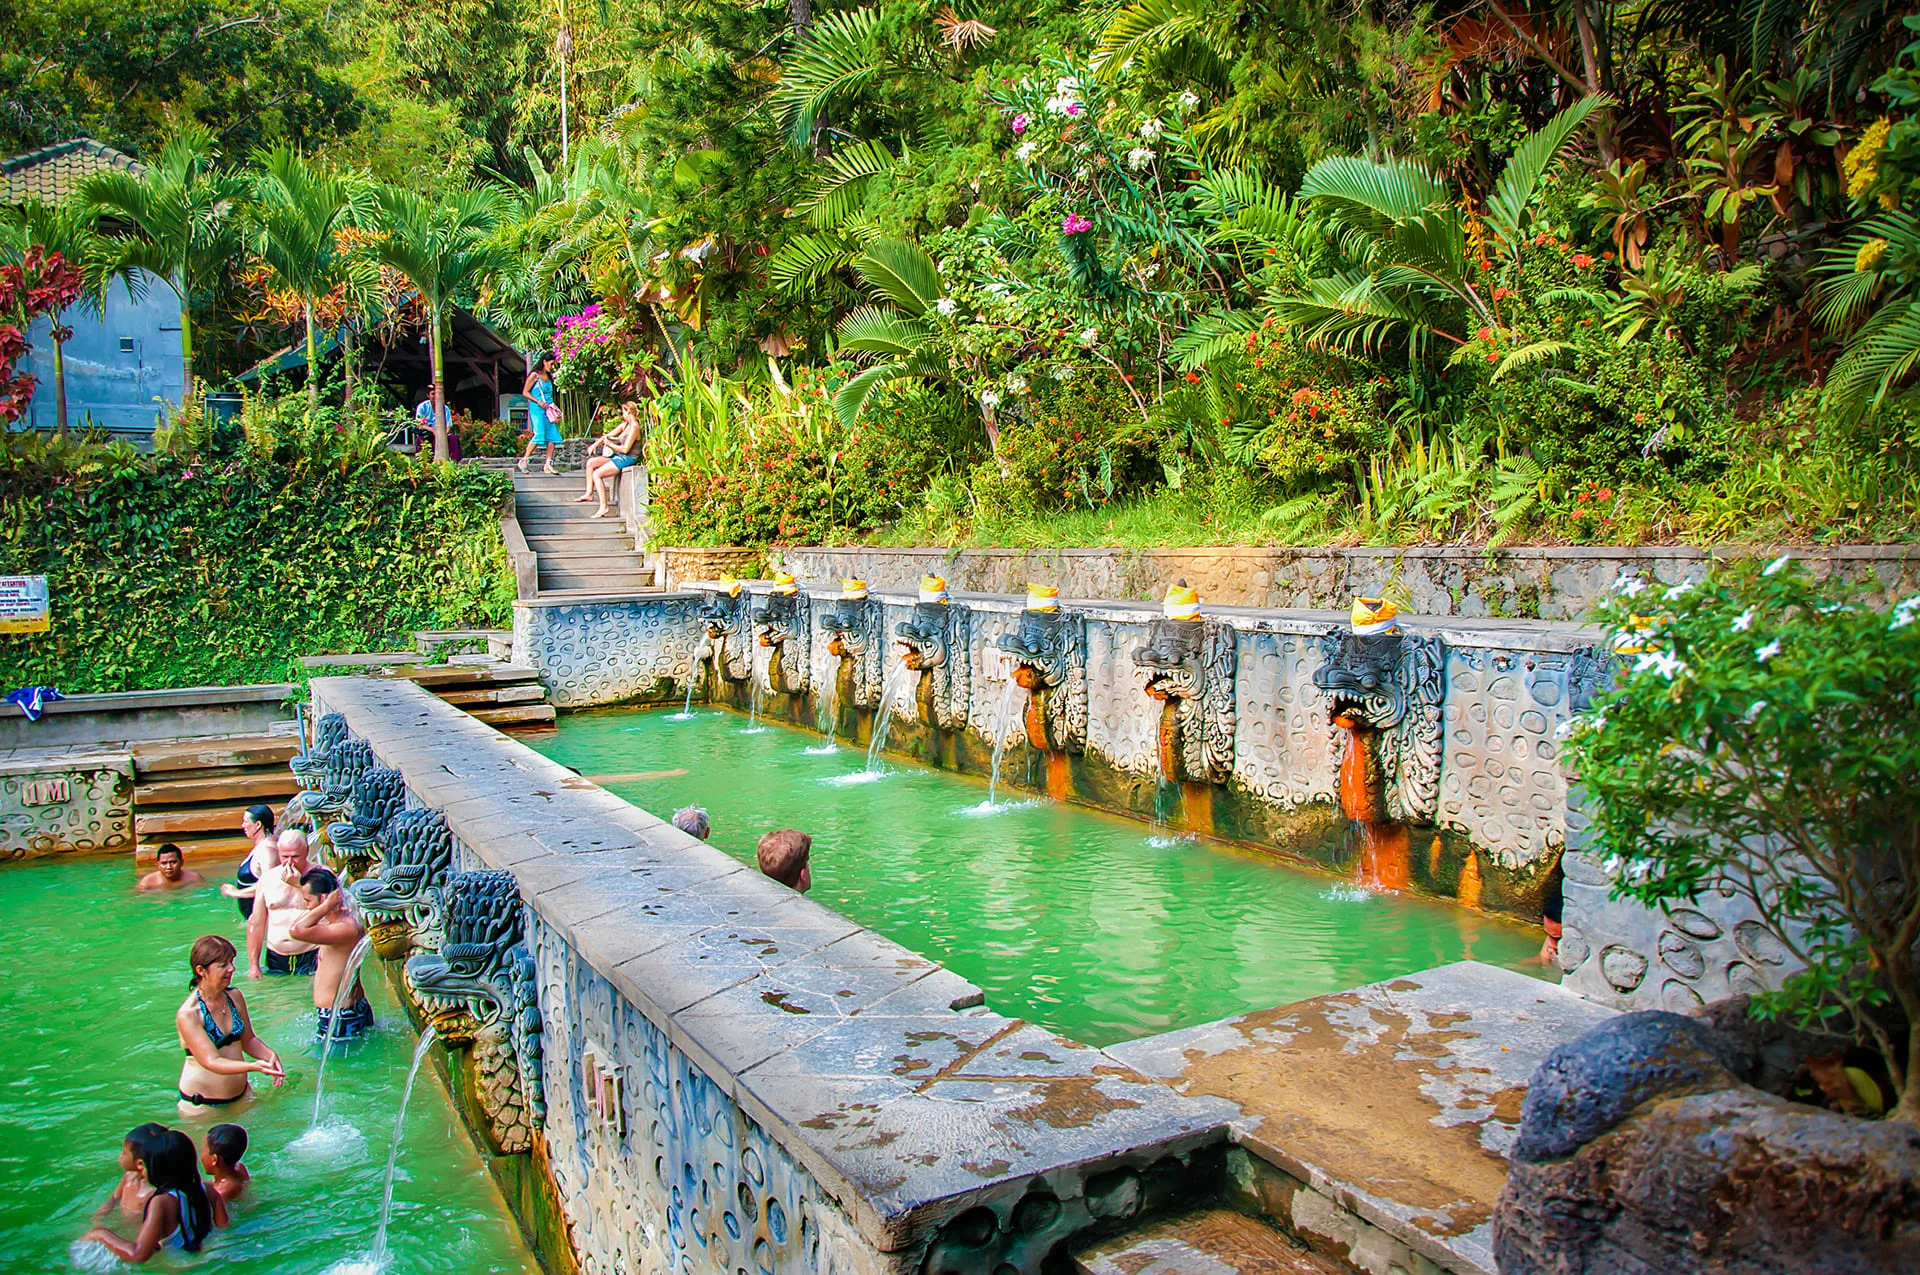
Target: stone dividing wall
735,1078
611,652
1550,583
59,801
1511,684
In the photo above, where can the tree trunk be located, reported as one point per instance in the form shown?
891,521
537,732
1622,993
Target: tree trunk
439,423
802,14
1596,78
313,366
59,377
186,353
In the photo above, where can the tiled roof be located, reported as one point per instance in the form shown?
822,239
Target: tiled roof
52,173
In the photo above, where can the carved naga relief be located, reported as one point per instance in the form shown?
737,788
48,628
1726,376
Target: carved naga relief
479,992
378,795
1189,665
1588,673
1390,686
857,638
402,906
310,766
314,808
724,618
783,624
936,642
1050,662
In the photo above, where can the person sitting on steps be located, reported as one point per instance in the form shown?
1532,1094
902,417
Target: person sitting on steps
623,446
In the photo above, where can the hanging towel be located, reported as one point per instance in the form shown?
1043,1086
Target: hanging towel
34,699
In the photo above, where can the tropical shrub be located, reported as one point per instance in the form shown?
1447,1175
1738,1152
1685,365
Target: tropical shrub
1764,740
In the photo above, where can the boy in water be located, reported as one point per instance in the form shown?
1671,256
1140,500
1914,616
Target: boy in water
330,925
171,871
226,1145
786,857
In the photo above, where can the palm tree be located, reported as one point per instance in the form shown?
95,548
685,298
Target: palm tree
1414,270
300,209
174,220
70,230
907,282
442,248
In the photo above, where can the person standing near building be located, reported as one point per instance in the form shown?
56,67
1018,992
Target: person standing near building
542,414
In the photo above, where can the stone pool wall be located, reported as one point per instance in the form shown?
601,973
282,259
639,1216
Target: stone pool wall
64,799
717,1074
1474,764
1555,582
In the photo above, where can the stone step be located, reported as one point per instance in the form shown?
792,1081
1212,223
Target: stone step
596,581
592,595
241,787
462,676
162,757
527,693
426,640
163,825
1206,1242
600,537
591,560
574,527
360,659
517,715
198,851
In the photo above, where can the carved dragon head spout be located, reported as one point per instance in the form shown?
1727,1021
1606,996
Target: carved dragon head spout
855,629
722,610
925,635
1386,689
1188,664
479,991
402,905
782,624
1049,653
1170,661
317,807
378,795
310,765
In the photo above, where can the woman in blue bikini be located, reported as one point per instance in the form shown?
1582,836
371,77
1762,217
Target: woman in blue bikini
217,1034
542,413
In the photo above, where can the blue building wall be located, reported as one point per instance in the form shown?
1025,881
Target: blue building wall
123,370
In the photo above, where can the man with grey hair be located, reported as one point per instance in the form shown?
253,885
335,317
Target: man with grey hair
692,820
271,947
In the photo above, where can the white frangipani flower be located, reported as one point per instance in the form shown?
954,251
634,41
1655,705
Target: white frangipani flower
1066,85
1189,100
1743,621
1139,157
1151,128
1016,383
1768,651
1630,586
1024,152
1089,337
989,400
947,307
1678,591
1778,564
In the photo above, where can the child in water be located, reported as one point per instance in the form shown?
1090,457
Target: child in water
226,1146
179,1212
131,1193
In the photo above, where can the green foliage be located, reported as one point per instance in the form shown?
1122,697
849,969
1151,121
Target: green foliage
1765,739
174,571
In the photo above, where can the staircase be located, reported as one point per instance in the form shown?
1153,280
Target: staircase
577,553
193,791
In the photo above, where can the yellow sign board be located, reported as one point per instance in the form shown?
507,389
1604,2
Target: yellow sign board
24,606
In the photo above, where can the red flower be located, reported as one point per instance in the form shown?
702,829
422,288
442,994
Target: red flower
1484,334
1581,260
1501,294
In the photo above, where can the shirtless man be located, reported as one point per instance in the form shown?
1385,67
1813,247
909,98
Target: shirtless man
172,871
331,924
271,925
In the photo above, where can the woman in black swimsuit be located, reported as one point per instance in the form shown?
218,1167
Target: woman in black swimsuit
216,1032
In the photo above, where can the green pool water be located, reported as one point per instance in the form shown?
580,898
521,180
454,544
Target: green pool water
1081,921
92,976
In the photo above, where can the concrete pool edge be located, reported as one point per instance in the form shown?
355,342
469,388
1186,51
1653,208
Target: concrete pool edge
905,1130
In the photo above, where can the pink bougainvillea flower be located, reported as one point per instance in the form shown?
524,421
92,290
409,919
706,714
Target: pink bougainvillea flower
1019,125
1073,108
1074,224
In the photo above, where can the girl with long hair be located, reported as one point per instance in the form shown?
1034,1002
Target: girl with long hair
179,1213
